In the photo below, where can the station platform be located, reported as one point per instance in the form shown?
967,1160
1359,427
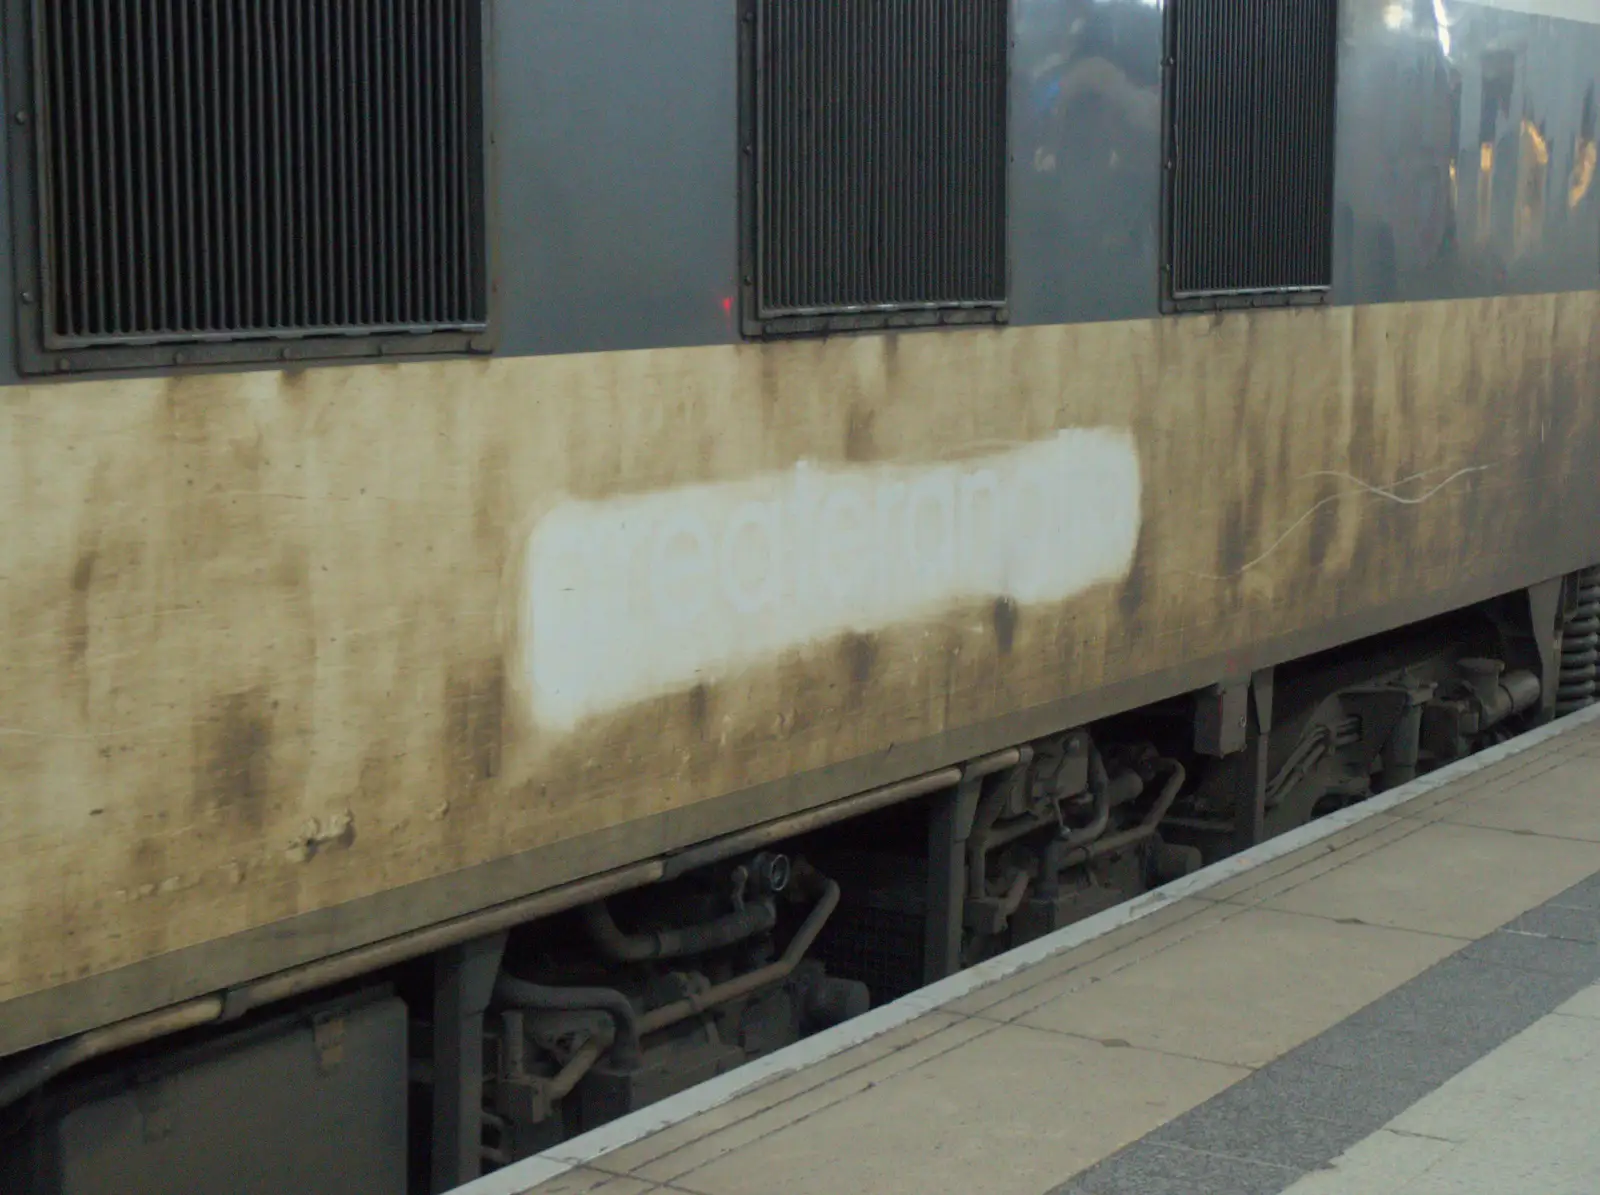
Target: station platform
1402,998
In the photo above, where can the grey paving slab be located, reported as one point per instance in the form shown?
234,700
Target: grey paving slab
1560,921
593,1182
1457,1010
1253,1121
1006,1113
1585,894
1531,952
1246,990
678,1149
1521,1119
1020,993
1585,1004
726,1138
1567,804
1381,1164
1356,1098
1292,1117
1171,1169
1413,882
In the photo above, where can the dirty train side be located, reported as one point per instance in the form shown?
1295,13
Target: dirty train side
577,544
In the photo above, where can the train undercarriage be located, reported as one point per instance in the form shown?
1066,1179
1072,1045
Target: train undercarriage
497,1038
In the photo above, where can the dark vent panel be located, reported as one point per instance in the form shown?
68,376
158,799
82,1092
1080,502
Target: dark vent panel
216,171
1250,121
879,181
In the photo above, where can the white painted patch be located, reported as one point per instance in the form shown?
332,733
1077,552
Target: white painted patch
635,597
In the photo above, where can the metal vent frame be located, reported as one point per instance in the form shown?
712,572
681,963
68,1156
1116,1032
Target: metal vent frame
40,354
1175,299
757,323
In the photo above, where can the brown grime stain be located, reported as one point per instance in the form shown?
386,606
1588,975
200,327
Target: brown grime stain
83,572
771,380
233,758
699,707
891,357
1325,522
1255,509
861,653
475,701
1234,545
1005,624
77,633
377,776
191,408
248,455
859,444
492,503
1135,590
294,379
293,568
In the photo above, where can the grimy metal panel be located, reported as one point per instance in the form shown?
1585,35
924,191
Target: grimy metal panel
8,289
617,161
257,170
879,180
314,1105
1465,149
1086,161
356,651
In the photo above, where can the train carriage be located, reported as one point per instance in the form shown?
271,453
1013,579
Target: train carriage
553,548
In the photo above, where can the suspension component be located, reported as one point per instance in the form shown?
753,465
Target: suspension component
1580,648
1497,693
1469,711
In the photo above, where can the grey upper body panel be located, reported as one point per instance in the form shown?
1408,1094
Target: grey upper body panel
617,130
616,163
619,183
1424,86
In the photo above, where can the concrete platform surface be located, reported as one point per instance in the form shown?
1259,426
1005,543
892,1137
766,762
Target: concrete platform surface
1401,998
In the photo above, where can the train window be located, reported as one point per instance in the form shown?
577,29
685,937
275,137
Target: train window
875,163
239,181
1250,127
